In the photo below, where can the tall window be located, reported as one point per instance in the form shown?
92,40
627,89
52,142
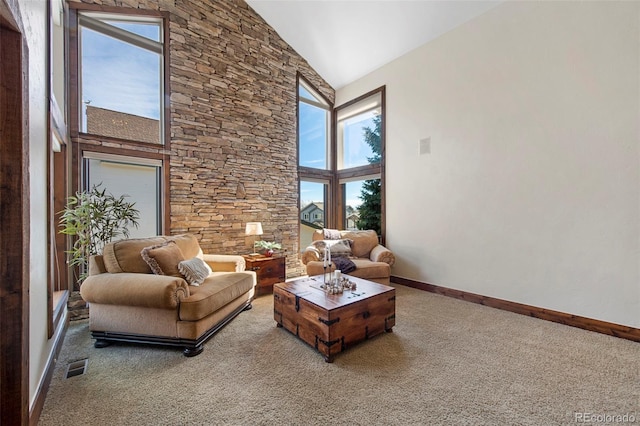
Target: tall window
342,182
314,128
314,160
120,103
121,75
360,143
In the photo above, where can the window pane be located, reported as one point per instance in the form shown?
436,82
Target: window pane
148,30
313,136
141,184
363,205
304,93
359,140
312,210
121,89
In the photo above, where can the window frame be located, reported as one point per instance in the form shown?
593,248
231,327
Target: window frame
371,171
92,20
57,160
334,213
311,174
75,9
148,161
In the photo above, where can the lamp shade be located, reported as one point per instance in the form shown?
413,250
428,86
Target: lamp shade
253,228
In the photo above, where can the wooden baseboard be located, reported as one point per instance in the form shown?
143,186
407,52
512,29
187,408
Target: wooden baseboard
43,388
612,329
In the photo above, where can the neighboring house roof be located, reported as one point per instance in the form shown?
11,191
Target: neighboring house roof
105,122
312,207
311,225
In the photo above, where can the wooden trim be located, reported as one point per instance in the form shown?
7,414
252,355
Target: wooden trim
51,267
72,74
41,393
360,171
590,324
166,191
128,142
60,168
383,162
14,229
167,81
117,9
166,161
128,152
310,173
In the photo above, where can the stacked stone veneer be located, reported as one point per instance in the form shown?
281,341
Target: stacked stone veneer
233,149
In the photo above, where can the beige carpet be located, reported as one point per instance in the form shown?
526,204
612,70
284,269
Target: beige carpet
447,362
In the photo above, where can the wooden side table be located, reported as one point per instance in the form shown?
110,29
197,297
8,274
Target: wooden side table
269,271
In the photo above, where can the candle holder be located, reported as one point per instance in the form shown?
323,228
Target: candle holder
324,275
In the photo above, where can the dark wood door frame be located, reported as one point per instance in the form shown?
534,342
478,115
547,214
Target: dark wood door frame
14,226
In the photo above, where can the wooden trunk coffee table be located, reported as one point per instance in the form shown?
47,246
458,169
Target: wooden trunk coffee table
333,322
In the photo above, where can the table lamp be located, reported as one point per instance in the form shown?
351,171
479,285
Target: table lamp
255,229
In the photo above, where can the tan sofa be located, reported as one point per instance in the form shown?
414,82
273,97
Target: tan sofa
372,260
128,302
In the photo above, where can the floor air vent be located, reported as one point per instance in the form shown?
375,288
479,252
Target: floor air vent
76,368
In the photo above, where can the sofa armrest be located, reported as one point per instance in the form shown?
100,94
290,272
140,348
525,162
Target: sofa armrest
133,289
382,254
310,254
225,262
96,265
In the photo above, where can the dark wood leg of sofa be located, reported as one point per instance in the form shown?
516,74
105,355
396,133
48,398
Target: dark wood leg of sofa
193,350
249,306
101,343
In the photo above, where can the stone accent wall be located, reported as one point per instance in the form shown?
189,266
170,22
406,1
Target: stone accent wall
233,125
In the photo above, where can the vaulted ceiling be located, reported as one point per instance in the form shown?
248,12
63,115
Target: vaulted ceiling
344,40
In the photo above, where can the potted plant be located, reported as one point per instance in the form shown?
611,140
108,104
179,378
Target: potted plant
95,218
268,247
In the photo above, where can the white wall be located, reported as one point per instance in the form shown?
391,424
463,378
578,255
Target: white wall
531,192
34,17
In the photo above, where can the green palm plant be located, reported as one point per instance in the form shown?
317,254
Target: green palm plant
95,218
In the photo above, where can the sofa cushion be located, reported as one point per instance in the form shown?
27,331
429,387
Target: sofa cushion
364,269
124,255
163,258
214,293
195,270
188,244
363,241
369,270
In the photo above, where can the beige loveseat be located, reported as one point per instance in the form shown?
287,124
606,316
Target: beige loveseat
129,302
372,260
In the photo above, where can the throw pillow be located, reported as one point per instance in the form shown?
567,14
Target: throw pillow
163,259
194,270
331,234
344,264
337,247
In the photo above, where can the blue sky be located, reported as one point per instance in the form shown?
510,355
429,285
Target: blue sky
119,76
